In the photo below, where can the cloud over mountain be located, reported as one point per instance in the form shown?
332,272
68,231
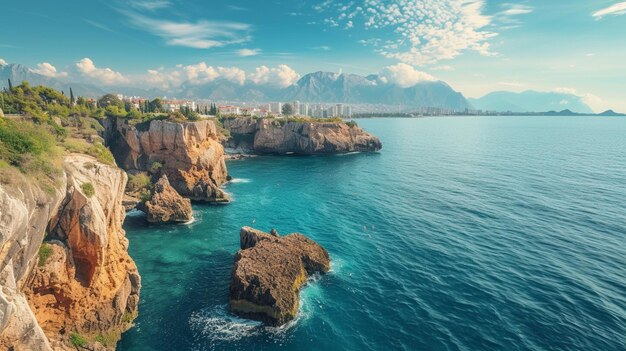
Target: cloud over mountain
106,76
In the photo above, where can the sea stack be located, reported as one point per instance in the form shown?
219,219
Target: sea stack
166,205
269,272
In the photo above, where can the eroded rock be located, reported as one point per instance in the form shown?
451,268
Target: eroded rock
275,136
89,284
269,272
166,205
189,153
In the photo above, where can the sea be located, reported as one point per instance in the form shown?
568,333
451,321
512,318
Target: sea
468,233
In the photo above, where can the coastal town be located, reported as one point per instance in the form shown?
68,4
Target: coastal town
210,109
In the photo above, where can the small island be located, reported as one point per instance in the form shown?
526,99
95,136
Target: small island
269,273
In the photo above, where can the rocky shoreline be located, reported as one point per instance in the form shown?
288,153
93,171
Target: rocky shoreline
284,136
66,276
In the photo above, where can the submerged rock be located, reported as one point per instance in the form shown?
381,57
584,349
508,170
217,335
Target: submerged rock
166,205
269,272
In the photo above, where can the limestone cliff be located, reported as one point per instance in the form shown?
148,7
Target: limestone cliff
25,211
82,283
189,153
276,136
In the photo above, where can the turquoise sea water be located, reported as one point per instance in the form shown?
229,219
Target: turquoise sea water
485,233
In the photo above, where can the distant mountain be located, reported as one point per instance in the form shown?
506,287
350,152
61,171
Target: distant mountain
352,88
611,113
314,87
530,101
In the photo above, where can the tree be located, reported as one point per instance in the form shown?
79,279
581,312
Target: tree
287,110
156,105
110,100
72,101
10,85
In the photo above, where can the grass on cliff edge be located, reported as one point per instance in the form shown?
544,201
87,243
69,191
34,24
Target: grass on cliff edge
45,251
29,150
77,340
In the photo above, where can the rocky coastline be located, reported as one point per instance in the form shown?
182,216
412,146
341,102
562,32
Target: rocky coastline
66,277
302,137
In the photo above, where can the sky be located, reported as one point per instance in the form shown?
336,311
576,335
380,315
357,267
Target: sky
476,46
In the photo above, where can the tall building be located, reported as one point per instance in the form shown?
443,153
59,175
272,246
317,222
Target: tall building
276,108
304,109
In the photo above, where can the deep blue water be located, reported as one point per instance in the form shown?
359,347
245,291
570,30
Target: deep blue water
485,233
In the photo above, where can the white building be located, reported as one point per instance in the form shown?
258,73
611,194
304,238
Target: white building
230,110
276,108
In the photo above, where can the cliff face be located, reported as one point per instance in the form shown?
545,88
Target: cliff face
82,281
190,153
25,211
273,136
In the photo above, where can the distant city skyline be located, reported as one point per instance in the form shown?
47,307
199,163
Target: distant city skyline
477,46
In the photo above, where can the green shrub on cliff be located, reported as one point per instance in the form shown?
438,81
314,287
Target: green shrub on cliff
88,189
352,124
139,181
29,147
77,340
45,251
96,150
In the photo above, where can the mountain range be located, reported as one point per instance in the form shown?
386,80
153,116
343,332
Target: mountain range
530,101
322,87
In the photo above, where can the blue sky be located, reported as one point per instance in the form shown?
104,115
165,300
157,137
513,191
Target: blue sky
477,46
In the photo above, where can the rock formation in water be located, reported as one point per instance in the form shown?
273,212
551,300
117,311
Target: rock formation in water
269,272
189,153
276,136
166,205
80,284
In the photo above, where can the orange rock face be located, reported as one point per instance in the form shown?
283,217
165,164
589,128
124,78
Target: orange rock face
88,284
190,154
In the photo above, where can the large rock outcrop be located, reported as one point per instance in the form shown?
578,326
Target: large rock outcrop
166,205
190,154
25,211
276,136
269,272
81,281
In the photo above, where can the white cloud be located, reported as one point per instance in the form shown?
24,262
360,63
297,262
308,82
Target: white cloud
234,74
151,5
322,48
511,84
199,35
106,76
48,70
428,31
281,76
199,73
445,68
516,9
404,75
3,62
596,103
614,10
248,52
